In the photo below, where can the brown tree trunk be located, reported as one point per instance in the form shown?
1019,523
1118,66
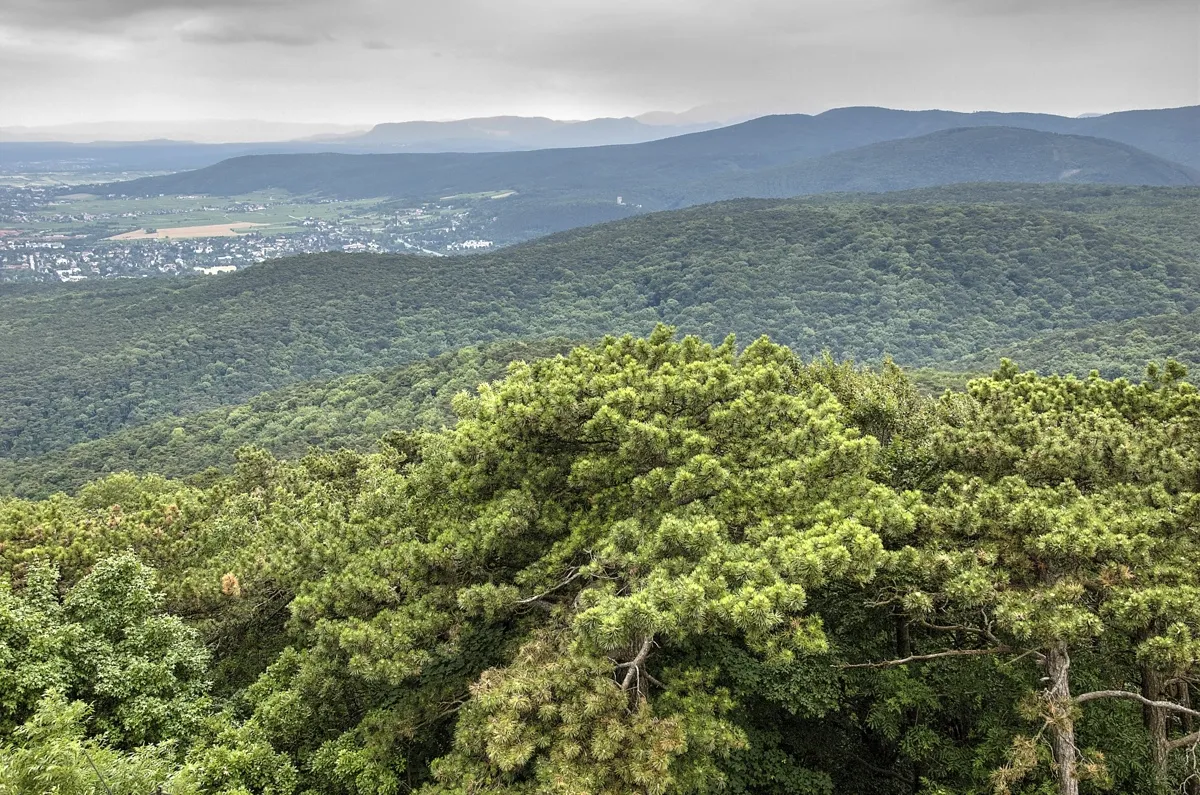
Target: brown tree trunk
1183,695
1062,719
1155,720
903,641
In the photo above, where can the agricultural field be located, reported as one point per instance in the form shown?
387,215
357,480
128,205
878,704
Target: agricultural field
177,232
14,178
498,194
106,216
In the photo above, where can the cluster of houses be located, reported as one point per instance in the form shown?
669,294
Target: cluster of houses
37,248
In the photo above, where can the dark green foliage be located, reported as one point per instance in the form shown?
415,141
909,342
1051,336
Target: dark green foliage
52,753
1114,349
648,566
106,643
926,283
351,412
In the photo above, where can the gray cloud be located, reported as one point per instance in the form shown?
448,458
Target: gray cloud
373,60
1038,7
208,32
67,14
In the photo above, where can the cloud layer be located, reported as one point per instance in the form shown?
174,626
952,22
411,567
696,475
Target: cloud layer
380,60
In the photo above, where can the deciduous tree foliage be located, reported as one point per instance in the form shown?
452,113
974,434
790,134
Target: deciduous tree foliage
650,565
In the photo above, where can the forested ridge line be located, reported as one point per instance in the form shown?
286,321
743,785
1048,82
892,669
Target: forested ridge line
649,565
926,283
349,412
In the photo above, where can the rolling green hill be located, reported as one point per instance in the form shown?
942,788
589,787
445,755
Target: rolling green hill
352,412
929,284
1114,349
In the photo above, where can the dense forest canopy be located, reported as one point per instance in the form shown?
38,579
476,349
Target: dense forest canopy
649,565
351,412
929,282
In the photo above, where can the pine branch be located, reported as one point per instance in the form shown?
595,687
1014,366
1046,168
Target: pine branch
538,597
926,657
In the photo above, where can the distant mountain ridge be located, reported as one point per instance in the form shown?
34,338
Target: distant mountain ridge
177,147
209,131
512,133
963,155
770,157
651,172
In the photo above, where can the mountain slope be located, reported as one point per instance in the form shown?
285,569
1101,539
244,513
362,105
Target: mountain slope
647,173
979,154
1173,133
350,412
926,283
1115,348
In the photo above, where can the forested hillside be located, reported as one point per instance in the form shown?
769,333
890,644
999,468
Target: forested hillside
1162,212
650,566
1111,348
926,283
352,412
678,177
970,155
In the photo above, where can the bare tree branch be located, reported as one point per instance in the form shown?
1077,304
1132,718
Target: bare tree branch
636,663
99,775
539,597
1130,696
925,657
1184,742
1032,652
983,631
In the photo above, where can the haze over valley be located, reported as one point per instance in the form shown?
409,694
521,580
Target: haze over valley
440,203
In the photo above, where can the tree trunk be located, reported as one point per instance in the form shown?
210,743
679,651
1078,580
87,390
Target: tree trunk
904,650
1155,719
903,641
1183,695
1062,719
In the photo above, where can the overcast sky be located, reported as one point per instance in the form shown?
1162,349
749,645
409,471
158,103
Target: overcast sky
366,61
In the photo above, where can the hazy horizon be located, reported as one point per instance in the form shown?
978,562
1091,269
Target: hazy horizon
362,63
251,130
